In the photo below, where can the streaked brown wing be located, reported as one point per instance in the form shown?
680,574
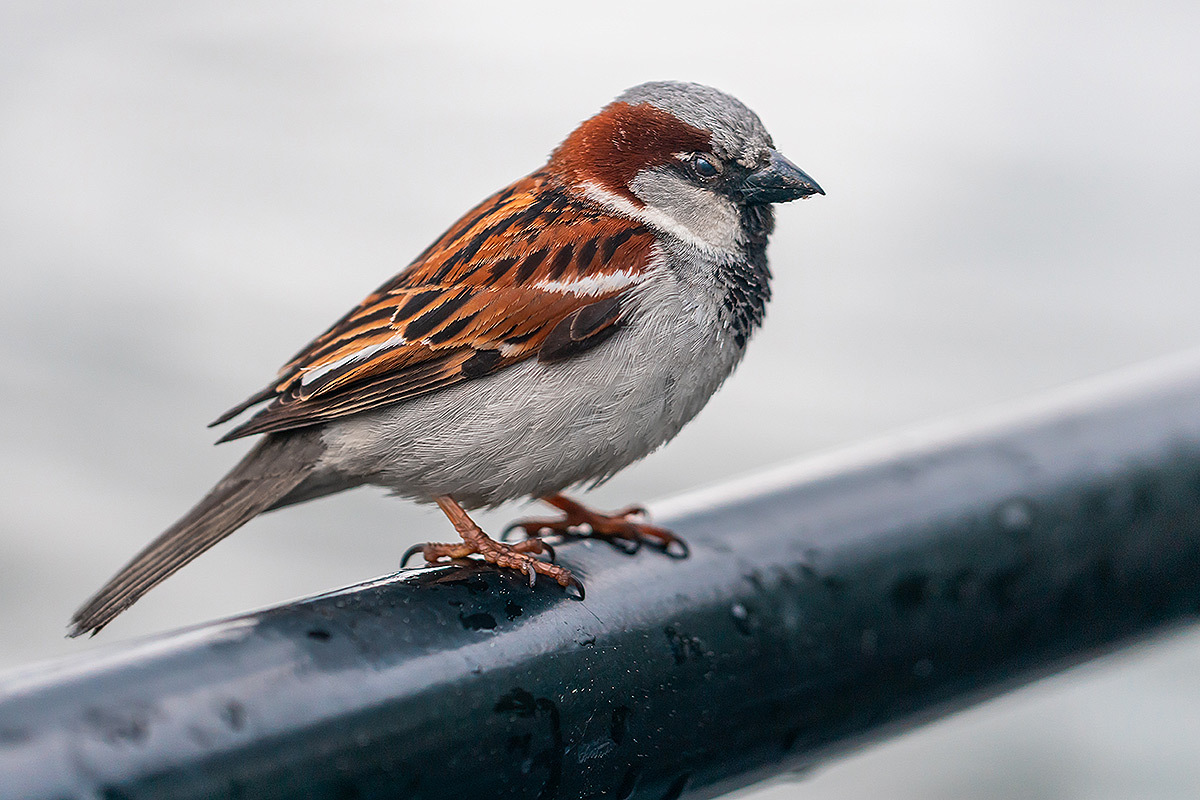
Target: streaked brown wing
484,296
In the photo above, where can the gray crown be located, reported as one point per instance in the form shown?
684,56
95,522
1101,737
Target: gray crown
737,131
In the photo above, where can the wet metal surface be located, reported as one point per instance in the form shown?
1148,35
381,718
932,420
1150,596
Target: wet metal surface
820,614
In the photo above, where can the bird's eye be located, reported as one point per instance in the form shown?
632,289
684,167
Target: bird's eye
704,166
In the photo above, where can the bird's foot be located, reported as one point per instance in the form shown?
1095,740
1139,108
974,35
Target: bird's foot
626,529
516,556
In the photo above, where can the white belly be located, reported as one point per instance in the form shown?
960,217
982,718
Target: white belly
533,429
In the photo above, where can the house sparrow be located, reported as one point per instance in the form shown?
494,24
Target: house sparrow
564,328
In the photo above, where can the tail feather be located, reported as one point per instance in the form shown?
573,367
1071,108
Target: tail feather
276,466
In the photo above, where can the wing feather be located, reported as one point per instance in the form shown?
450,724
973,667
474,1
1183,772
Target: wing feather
484,296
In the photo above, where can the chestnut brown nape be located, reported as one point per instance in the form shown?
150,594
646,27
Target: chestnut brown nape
622,140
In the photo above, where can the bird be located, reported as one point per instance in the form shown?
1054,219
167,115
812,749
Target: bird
561,330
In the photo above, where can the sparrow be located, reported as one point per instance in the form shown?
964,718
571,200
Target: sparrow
564,328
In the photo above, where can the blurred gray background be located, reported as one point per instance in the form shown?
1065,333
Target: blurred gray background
190,191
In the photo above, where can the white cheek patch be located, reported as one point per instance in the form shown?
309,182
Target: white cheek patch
648,215
702,218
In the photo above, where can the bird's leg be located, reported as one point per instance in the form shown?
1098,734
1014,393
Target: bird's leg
506,556
625,528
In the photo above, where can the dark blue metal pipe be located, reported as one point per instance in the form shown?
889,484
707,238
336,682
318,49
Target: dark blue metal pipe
822,606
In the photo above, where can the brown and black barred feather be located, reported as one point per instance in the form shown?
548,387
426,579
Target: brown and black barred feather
484,296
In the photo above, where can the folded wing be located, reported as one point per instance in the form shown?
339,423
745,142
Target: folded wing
530,267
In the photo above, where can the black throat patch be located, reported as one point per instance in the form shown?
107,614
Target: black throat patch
747,284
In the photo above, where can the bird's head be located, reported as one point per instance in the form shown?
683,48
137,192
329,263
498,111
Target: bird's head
683,158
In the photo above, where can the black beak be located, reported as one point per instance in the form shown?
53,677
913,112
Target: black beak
778,182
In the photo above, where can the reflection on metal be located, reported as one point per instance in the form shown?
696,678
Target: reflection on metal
830,605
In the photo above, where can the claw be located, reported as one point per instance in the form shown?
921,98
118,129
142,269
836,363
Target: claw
627,530
409,553
517,556
550,551
577,585
676,548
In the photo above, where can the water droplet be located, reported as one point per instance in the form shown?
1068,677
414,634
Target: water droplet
1015,516
742,619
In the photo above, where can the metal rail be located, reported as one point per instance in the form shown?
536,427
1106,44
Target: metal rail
823,605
